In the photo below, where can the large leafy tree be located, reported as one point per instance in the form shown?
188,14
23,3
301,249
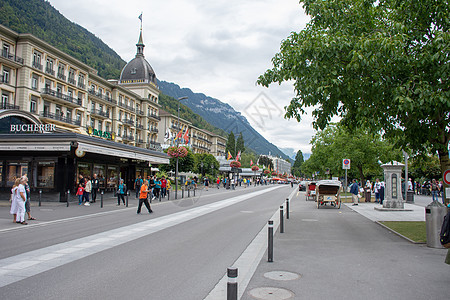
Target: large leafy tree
240,145
331,145
208,160
378,64
296,168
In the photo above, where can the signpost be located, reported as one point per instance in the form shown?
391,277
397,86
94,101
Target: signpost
446,179
346,166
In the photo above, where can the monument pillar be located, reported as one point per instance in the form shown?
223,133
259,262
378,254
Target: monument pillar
393,185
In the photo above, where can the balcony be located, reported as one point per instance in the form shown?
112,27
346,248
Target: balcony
129,122
101,97
12,57
155,130
54,95
8,106
128,137
100,113
61,76
50,71
81,85
37,65
140,141
140,126
155,116
4,79
140,112
126,107
72,81
60,118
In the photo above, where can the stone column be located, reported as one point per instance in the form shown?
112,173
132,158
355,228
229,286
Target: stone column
393,185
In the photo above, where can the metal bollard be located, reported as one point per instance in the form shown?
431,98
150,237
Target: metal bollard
232,285
168,195
101,200
160,192
194,192
287,208
270,242
182,193
40,197
126,205
68,196
281,219
189,193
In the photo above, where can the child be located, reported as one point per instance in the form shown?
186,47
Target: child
80,192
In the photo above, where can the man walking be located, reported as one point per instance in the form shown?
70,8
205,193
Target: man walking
95,187
137,185
354,190
376,189
143,198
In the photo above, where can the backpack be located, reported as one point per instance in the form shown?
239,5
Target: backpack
445,231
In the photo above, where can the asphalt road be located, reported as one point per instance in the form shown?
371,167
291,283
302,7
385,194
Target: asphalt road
179,252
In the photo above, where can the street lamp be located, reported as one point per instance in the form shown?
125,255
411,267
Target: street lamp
212,169
201,165
178,141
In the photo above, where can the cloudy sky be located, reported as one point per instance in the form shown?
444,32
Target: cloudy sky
217,47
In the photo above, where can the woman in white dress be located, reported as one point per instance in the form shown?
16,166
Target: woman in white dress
21,198
13,210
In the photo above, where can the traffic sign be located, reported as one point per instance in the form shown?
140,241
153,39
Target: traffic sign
346,164
446,177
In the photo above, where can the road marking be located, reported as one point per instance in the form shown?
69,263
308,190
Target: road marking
22,266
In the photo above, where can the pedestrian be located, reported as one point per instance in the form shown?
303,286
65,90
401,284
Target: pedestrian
382,186
434,190
157,189
121,189
206,183
151,185
143,198
87,191
14,203
163,186
28,203
376,190
95,187
137,185
218,182
80,192
354,190
21,197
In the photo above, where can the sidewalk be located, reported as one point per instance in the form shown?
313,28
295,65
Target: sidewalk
331,253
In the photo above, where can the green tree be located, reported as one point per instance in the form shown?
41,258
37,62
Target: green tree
185,164
331,145
425,168
247,157
240,146
265,161
207,160
299,160
382,65
231,145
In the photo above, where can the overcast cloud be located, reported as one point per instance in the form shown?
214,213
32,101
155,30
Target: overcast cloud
217,47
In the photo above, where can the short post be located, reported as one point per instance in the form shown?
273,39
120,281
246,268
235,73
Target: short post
287,208
281,219
40,197
101,199
168,194
68,196
182,192
160,192
194,191
126,205
270,242
189,192
232,285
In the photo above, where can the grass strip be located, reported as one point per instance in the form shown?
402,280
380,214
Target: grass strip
414,230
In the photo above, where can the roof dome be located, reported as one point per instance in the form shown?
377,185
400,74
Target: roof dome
138,70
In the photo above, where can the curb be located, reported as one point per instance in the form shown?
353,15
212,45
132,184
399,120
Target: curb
399,234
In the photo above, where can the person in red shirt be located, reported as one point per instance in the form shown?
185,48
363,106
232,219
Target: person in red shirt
80,193
143,198
163,186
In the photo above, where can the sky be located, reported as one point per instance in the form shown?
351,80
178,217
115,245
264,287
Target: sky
217,47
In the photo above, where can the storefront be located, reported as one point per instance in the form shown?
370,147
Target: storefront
53,159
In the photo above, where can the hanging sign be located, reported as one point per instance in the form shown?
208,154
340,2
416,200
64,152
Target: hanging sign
346,164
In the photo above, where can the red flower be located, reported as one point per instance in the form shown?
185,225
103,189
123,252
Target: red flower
175,152
255,168
235,164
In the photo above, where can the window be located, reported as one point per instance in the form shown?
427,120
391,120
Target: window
15,170
108,95
5,99
5,50
58,112
70,93
120,115
107,127
93,106
48,85
59,90
92,123
33,104
93,88
100,125
78,117
119,133
69,115
5,75
46,174
100,91
37,60
72,76
100,107
49,66
46,108
34,82
81,78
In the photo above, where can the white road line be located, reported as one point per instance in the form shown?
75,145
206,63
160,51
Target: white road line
248,261
15,268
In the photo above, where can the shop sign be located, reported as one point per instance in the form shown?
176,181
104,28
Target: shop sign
155,147
30,128
100,133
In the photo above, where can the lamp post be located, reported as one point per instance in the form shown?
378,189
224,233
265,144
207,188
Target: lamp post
201,165
178,141
212,169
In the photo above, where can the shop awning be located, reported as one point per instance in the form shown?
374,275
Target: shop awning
41,146
121,153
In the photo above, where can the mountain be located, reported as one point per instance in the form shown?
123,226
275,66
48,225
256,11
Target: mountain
223,116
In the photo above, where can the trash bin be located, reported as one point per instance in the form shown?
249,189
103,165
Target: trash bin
367,194
434,216
410,197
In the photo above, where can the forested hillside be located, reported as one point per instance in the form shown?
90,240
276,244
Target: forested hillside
41,19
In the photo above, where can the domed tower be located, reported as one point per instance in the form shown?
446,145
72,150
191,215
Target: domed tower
139,77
